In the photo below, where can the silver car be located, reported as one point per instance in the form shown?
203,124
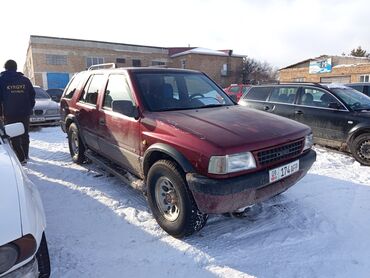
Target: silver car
46,111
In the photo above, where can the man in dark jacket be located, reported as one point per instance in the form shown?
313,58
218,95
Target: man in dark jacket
17,98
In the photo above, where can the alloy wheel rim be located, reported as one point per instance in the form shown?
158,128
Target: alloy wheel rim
167,199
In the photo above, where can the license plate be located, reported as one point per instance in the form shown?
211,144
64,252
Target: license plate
283,171
38,119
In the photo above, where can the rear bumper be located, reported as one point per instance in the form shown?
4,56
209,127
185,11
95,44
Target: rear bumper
228,195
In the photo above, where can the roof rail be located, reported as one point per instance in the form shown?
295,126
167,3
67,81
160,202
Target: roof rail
102,66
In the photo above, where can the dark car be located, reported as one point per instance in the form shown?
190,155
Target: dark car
55,94
363,87
196,150
237,90
338,115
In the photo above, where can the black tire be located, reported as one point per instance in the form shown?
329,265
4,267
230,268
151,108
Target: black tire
76,146
360,149
43,260
174,209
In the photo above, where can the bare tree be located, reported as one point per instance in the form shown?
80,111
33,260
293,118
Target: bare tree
257,72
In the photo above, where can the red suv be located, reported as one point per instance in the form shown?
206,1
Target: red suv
237,90
196,150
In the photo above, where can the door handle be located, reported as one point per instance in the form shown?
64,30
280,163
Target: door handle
266,108
298,112
101,121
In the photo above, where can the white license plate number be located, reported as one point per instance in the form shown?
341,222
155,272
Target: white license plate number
38,119
283,171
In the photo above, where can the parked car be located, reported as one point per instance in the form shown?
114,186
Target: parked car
23,247
197,151
46,111
55,94
237,90
338,115
363,87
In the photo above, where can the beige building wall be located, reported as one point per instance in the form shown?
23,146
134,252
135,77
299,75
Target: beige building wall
213,66
342,68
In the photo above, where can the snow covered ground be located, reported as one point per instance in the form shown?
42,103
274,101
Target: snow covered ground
99,227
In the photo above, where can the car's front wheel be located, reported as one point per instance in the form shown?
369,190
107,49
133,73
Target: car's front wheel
171,202
76,147
360,149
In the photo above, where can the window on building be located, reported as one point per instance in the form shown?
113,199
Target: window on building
136,63
90,61
158,63
183,63
120,60
299,79
365,78
52,59
117,89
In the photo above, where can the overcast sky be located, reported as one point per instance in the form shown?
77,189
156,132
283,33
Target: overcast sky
280,32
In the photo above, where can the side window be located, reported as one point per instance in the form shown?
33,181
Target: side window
284,94
258,93
72,86
317,98
117,89
234,89
92,88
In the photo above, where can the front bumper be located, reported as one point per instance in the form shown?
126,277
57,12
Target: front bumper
44,120
228,195
29,270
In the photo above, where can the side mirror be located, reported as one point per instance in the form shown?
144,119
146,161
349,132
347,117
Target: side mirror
334,105
125,107
14,130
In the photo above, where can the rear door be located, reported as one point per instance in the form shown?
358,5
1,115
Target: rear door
87,112
282,100
119,135
256,98
328,125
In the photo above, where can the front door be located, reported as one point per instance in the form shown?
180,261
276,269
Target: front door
327,117
119,135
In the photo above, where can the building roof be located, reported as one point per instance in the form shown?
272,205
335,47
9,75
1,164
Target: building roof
328,56
206,51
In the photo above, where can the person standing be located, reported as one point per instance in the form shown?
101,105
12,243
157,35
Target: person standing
17,98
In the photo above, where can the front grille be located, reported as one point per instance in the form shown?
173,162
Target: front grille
279,153
38,112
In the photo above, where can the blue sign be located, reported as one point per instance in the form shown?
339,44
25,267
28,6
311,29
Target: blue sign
320,66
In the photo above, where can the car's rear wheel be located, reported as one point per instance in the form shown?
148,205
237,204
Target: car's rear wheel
76,147
360,149
171,202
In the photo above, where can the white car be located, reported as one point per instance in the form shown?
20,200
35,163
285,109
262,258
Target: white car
23,247
46,111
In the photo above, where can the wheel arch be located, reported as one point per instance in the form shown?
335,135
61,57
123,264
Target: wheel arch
356,131
160,151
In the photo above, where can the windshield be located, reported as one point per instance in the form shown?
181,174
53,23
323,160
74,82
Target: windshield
41,94
177,91
355,100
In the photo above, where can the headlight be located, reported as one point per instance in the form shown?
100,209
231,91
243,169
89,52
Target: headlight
8,257
231,163
308,142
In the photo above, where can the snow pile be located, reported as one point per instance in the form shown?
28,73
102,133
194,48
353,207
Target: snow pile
99,227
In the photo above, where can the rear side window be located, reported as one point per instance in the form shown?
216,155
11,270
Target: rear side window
117,89
234,89
258,93
72,86
284,94
358,88
90,94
